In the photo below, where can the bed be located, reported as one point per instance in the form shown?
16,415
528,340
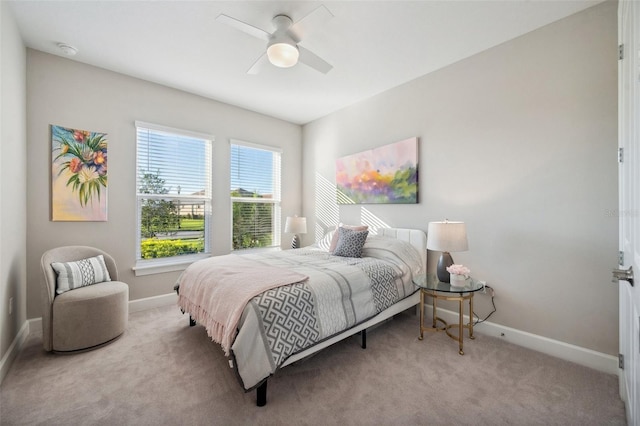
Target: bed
271,309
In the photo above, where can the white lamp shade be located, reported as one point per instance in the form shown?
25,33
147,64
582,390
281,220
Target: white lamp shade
296,225
447,236
282,54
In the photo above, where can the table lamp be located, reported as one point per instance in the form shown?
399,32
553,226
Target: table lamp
295,225
446,237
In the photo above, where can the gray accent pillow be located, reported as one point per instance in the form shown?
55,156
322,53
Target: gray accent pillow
334,240
80,273
350,242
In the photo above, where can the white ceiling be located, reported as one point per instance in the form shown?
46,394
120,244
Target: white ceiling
373,45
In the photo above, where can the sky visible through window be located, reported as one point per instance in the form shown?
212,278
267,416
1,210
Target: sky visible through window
181,162
251,169
178,160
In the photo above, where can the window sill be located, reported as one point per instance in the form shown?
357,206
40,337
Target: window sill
161,266
255,250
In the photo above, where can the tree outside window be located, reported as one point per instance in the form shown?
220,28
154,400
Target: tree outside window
255,196
173,191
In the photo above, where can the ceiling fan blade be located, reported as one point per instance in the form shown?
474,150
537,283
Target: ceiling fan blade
314,61
309,23
258,64
244,27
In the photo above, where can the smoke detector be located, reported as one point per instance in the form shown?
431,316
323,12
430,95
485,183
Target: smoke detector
67,49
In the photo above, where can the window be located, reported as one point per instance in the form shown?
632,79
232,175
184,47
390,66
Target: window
255,195
173,188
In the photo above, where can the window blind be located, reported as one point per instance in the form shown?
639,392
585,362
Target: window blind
173,164
255,172
173,187
255,194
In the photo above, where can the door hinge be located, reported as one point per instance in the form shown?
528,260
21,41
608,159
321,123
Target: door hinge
621,52
621,361
620,155
620,258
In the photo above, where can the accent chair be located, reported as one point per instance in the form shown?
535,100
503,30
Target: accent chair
78,314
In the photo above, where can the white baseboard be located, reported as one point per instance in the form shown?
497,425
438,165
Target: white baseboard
579,355
13,351
153,302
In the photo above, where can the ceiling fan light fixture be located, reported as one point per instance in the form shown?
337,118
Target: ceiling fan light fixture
282,44
283,54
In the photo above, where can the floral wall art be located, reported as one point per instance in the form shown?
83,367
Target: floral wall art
387,175
79,175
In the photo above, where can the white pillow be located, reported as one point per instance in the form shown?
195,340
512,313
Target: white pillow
399,252
80,273
325,242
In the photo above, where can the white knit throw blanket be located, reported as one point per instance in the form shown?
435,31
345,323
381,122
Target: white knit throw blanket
215,291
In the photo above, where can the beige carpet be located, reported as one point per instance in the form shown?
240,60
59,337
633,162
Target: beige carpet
163,372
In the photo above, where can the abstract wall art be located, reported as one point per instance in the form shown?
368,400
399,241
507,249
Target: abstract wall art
384,175
78,175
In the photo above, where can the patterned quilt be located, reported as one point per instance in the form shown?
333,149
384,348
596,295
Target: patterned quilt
340,293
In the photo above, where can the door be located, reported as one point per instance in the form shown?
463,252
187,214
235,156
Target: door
629,204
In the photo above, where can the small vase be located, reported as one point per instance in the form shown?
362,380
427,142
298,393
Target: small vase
458,280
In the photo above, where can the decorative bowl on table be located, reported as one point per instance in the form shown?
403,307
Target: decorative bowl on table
458,280
458,275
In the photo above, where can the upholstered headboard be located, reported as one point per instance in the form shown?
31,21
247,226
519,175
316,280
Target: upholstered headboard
415,237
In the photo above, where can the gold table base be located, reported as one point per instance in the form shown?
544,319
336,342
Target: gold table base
445,327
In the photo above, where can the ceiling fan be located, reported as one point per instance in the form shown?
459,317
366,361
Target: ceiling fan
283,49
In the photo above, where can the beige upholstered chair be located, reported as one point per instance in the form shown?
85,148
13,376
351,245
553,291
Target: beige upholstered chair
85,317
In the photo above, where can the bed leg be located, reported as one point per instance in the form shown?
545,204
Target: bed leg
261,395
192,322
363,338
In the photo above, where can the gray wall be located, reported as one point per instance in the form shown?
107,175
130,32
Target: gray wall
519,142
68,93
13,177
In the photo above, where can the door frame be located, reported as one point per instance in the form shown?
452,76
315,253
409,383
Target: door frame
629,204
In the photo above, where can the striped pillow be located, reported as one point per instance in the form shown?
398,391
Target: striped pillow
80,273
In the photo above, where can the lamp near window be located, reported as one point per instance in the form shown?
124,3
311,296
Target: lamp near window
446,237
295,225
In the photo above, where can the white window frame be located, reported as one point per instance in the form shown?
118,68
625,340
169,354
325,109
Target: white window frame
174,263
276,200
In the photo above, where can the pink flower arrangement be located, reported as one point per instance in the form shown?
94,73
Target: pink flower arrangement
459,270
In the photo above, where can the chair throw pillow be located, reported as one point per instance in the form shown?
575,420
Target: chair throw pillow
80,273
350,242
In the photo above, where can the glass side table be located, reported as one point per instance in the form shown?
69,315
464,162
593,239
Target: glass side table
431,287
